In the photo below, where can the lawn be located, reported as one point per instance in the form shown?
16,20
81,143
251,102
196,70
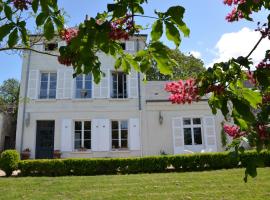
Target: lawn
217,185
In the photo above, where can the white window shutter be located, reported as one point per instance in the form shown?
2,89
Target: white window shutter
133,84
94,134
178,136
130,45
100,135
209,133
68,84
104,135
60,83
66,135
101,90
134,134
33,84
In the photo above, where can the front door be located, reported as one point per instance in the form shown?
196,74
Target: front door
45,139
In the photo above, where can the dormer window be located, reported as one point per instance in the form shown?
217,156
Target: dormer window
123,45
51,46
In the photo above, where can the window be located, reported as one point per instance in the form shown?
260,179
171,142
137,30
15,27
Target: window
192,131
119,85
123,45
119,134
84,86
51,46
82,136
48,86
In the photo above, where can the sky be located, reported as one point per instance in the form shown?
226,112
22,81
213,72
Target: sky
212,38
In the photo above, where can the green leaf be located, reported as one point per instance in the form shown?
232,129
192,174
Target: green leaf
253,97
176,12
157,30
183,27
13,38
173,34
24,35
49,29
35,4
243,109
8,12
41,18
5,30
125,65
118,63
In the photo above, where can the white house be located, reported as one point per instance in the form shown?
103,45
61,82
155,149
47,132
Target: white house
120,117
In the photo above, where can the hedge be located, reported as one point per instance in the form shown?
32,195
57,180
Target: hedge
190,162
9,161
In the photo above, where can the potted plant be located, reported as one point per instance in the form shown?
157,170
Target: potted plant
57,154
25,155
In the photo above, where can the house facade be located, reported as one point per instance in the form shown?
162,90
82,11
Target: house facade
120,117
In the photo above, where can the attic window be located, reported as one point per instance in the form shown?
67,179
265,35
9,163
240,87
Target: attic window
123,45
51,46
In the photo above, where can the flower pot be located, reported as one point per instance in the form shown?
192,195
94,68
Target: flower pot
57,154
25,155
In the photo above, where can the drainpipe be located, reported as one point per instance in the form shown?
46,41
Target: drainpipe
25,96
139,98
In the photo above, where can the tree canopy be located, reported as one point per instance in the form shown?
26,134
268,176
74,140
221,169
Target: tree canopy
187,67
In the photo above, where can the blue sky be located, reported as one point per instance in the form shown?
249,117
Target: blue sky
210,34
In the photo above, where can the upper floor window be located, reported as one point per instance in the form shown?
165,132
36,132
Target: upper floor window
120,134
119,85
82,136
192,131
51,46
48,85
84,86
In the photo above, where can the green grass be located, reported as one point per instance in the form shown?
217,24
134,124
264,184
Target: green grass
217,185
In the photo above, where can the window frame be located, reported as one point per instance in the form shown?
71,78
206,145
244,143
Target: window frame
120,135
83,87
82,135
124,86
192,126
48,85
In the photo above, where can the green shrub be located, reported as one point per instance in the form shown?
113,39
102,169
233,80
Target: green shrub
9,161
153,164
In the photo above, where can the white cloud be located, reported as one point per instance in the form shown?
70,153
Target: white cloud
196,54
240,43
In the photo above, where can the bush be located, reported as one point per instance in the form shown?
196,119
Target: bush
9,161
153,164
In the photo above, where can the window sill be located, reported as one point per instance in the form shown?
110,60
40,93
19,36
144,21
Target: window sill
81,152
45,100
119,99
120,151
82,99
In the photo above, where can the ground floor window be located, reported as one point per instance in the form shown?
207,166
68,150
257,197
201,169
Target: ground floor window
192,131
119,134
82,136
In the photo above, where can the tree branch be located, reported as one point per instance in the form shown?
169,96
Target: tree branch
28,49
255,47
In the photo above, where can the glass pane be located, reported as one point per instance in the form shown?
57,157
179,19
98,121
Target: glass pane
187,136
125,86
87,135
197,135
115,125
78,125
87,144
124,125
44,77
88,77
79,84
196,121
43,94
115,134
53,77
115,144
87,125
78,135
186,121
124,144
120,86
124,134
78,93
88,93
52,94
77,144
44,85
52,84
